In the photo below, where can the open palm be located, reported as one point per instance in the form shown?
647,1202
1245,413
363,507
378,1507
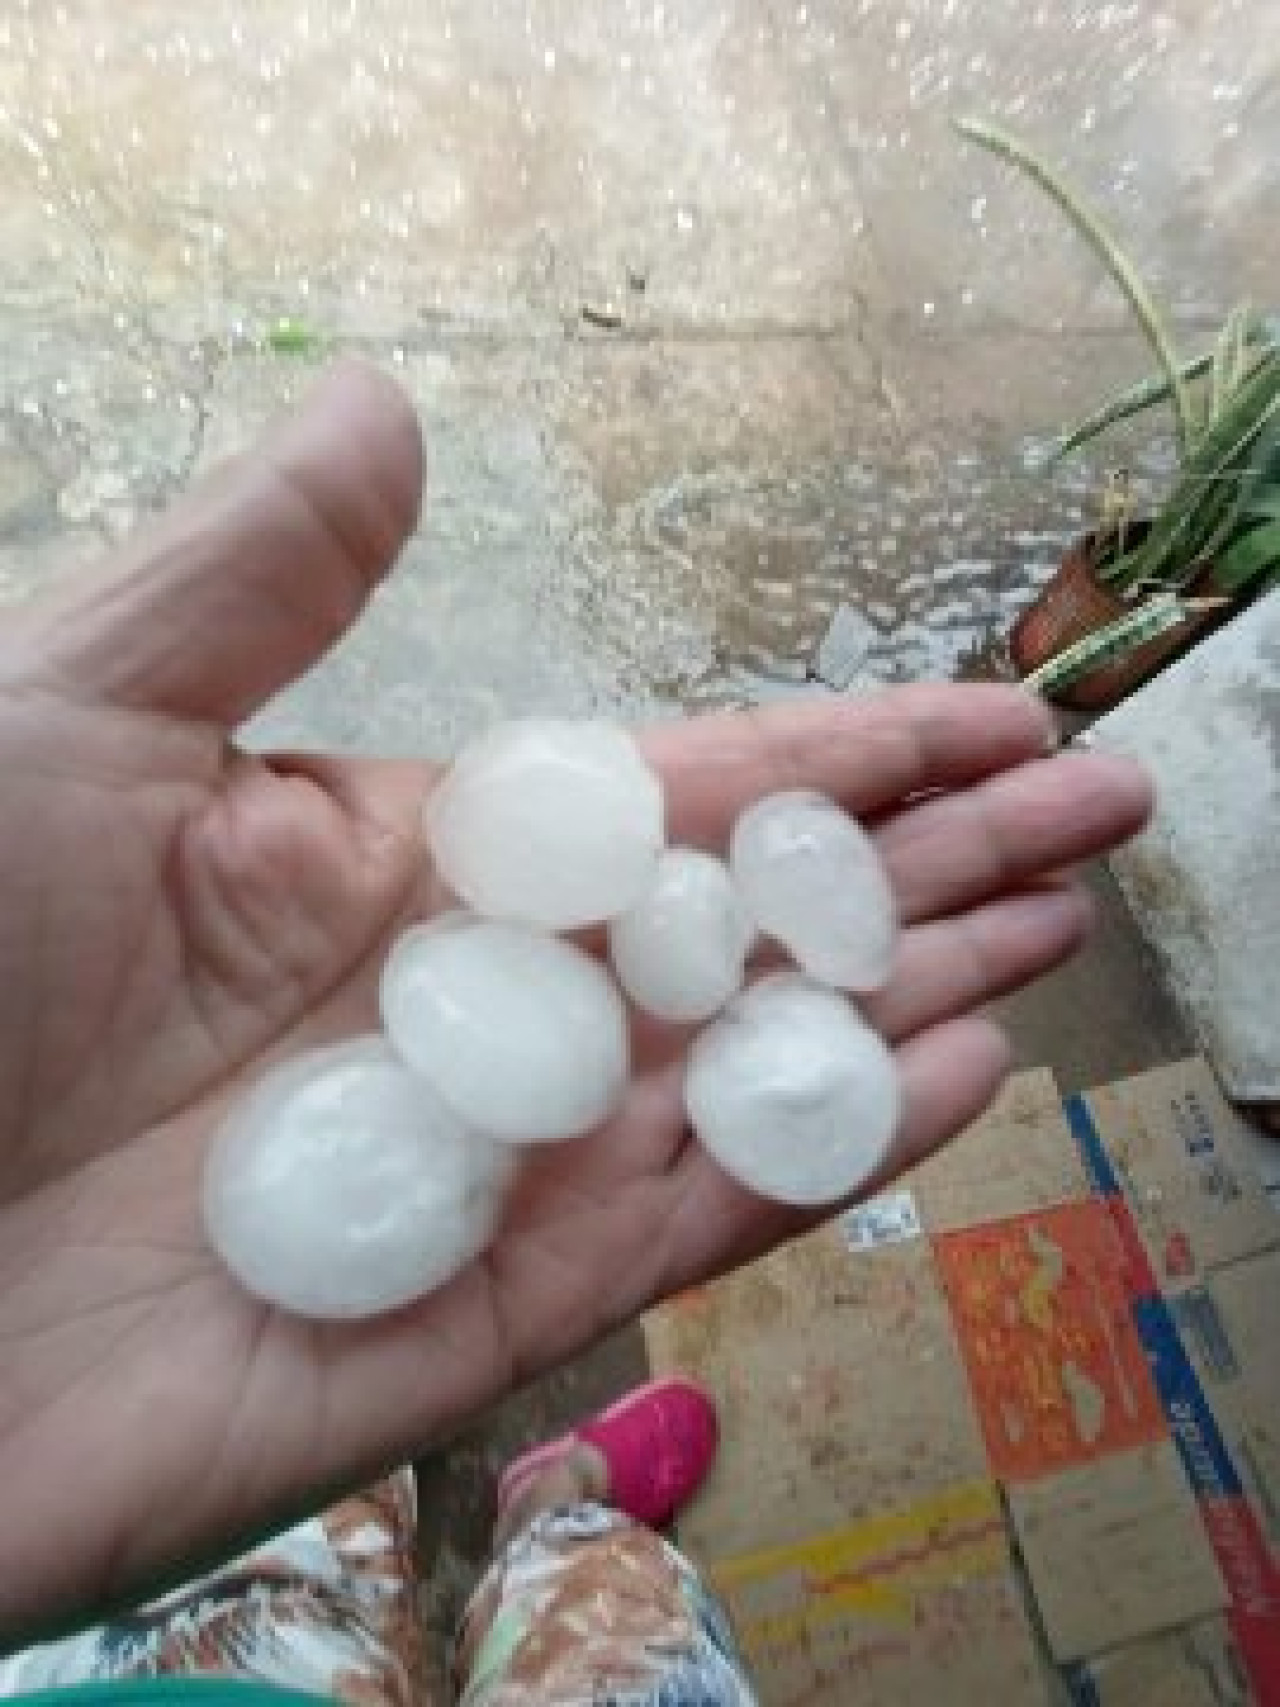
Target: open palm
174,913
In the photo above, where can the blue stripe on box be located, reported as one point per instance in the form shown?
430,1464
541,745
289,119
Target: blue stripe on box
1191,1422
1097,1164
1081,1684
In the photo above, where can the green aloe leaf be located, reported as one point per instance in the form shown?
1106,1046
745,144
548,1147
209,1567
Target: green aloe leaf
1118,265
1159,615
1261,475
1260,335
1147,394
1225,374
1249,559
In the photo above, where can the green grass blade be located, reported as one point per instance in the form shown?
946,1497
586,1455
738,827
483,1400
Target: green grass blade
1118,265
292,337
1248,559
1158,616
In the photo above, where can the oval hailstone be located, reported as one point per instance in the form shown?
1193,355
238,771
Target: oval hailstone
791,1093
680,951
811,877
548,823
524,1036
341,1186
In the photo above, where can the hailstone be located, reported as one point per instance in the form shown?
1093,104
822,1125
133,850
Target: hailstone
792,1093
680,951
523,1035
547,823
341,1186
811,877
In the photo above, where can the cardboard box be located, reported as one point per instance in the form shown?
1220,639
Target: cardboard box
840,1387
1197,1666
1181,1156
1116,1549
914,1605
1020,1156
1228,1327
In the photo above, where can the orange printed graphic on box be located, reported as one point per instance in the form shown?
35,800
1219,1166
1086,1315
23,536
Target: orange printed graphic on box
1042,1312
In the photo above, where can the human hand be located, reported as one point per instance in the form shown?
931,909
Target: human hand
175,913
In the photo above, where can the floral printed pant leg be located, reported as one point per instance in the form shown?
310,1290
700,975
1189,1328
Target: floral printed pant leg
583,1609
587,1609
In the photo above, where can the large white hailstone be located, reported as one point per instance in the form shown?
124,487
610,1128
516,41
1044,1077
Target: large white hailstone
547,823
811,877
680,951
341,1186
792,1093
523,1035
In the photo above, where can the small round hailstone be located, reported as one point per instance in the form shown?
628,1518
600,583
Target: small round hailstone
523,1035
547,823
680,951
341,1186
810,876
792,1093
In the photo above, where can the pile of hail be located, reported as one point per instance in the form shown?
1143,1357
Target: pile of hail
352,1179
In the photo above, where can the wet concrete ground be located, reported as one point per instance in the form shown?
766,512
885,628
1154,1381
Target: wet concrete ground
713,323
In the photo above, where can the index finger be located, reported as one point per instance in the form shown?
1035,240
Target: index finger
869,754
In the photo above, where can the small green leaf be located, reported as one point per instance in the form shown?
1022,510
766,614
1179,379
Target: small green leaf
290,337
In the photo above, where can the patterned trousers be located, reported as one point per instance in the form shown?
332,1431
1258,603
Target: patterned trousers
582,1609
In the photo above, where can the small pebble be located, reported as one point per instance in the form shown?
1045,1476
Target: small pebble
680,951
523,1035
792,1093
340,1186
548,823
810,877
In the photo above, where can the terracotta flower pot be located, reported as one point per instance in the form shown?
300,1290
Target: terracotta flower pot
1075,603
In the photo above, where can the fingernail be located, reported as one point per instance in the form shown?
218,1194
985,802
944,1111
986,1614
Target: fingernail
1047,716
1127,774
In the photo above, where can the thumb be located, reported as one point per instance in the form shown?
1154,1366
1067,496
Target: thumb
256,573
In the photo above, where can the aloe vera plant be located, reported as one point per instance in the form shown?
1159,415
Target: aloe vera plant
1221,516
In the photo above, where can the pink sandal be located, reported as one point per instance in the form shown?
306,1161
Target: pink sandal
658,1444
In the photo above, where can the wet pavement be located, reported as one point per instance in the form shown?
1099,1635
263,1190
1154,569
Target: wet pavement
714,324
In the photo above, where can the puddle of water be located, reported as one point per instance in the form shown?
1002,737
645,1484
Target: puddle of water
720,586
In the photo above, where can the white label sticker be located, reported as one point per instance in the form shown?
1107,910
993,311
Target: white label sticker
889,1219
